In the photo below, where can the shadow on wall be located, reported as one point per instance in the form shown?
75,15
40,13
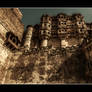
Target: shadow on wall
72,70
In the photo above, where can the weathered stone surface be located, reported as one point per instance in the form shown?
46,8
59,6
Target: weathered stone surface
41,69
50,63
11,22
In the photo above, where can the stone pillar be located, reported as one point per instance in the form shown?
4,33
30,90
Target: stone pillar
64,43
44,43
28,37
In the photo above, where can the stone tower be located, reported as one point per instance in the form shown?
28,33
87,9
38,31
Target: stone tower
29,32
45,30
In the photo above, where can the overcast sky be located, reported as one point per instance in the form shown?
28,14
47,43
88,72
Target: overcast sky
31,16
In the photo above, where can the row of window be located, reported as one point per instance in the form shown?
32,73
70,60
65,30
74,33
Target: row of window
72,24
78,31
45,32
46,19
46,26
48,33
60,17
60,24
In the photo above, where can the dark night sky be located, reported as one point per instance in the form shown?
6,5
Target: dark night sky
31,16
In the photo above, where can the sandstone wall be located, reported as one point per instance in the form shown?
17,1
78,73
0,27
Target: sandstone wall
47,67
5,55
11,22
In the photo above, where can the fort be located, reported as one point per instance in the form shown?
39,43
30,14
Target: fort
57,50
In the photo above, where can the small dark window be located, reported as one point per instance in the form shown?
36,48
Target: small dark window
59,30
14,40
49,25
11,37
59,17
78,16
45,24
48,32
81,30
62,16
49,19
62,23
43,31
79,22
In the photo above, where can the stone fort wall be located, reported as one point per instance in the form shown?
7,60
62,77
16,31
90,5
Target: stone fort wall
51,51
